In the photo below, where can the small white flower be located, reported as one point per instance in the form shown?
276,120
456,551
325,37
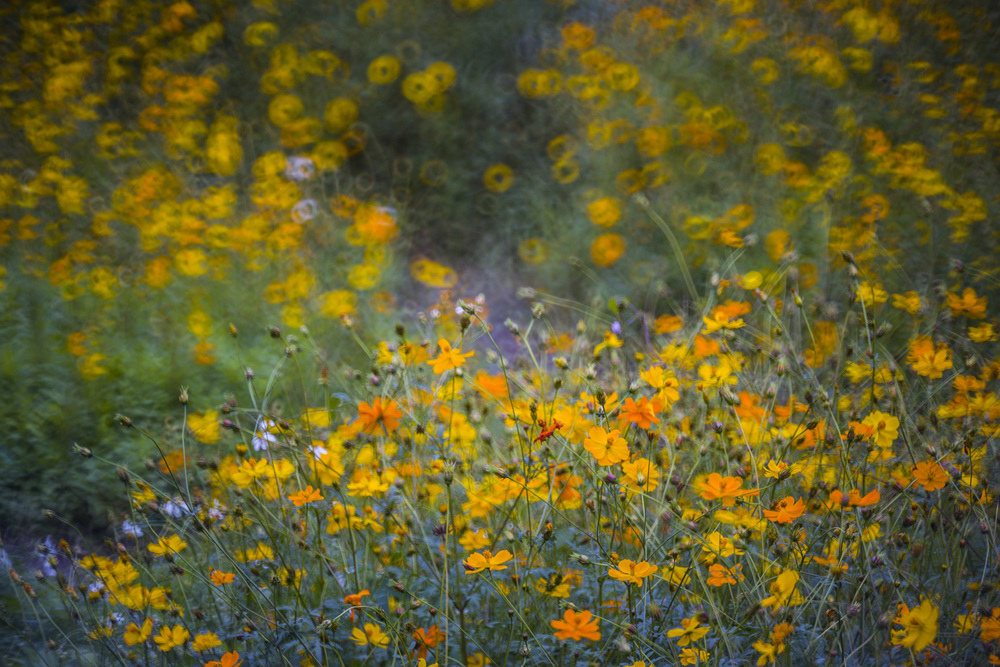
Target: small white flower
304,211
318,451
263,437
216,511
47,568
299,169
132,529
175,508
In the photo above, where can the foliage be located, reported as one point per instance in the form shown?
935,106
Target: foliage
742,405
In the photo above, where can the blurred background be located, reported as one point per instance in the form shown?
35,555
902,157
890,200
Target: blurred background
175,172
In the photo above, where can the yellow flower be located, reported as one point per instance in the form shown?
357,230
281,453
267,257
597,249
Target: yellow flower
284,109
223,149
631,572
191,262
478,562
337,303
433,274
420,87
693,656
768,652
784,591
927,359
384,70
872,294
968,305
167,545
199,323
205,641
983,333
919,625
371,635
885,428
443,73
908,301
364,276
533,251
566,171
539,83
498,178
171,637
449,359
689,632
622,76
611,340
605,212
371,11
90,366
607,448
136,635
205,426
339,114
766,69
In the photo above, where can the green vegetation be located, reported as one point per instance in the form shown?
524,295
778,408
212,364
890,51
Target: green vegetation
595,332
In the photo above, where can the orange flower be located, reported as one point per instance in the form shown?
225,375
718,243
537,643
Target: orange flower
726,489
230,659
631,572
371,418
449,359
576,626
854,498
427,638
494,386
990,626
930,475
787,510
219,578
305,496
642,414
665,324
354,600
607,249
720,575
